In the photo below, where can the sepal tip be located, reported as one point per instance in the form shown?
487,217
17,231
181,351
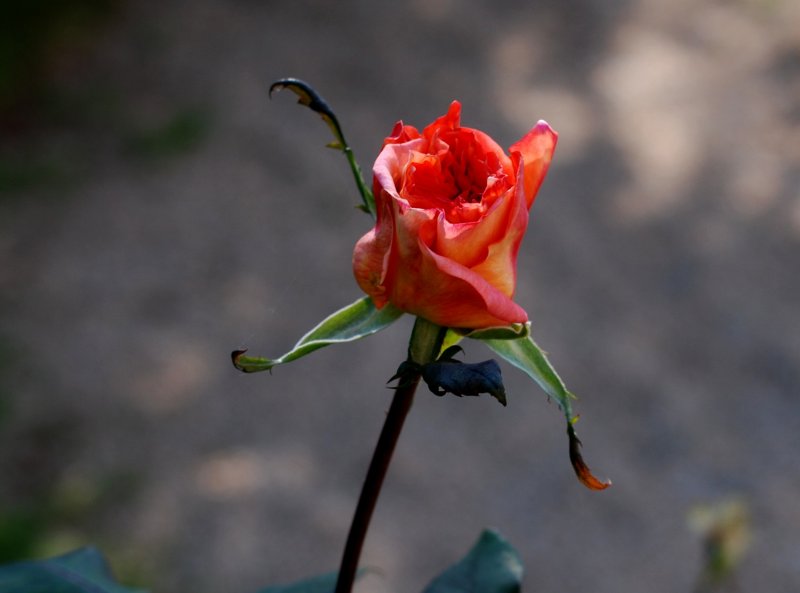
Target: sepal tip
578,464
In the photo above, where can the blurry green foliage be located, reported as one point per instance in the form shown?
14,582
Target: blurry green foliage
725,528
33,33
81,571
59,118
6,357
37,39
180,133
54,521
20,531
21,172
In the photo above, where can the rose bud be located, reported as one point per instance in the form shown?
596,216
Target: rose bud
452,209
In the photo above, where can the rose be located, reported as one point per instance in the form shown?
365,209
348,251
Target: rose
452,209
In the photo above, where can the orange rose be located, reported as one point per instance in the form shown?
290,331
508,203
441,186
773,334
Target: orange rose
452,209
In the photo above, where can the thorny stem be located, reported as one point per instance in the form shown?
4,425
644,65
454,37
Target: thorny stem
424,346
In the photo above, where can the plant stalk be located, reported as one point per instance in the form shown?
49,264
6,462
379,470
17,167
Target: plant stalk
424,347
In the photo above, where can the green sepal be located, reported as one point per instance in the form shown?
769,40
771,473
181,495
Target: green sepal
353,322
491,566
82,571
451,338
514,331
526,355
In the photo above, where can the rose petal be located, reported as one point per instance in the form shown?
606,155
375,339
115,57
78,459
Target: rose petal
468,242
401,133
436,250
500,266
449,121
448,293
371,258
536,148
489,145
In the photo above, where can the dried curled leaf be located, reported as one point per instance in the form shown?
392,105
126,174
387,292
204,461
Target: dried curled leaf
579,465
248,364
310,98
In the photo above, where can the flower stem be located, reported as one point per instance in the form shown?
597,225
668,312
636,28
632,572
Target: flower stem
424,346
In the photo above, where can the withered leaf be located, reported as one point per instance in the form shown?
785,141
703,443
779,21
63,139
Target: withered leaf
579,465
447,375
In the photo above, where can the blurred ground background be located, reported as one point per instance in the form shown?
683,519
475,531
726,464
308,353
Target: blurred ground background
156,212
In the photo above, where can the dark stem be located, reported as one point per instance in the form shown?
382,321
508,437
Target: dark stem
426,341
401,404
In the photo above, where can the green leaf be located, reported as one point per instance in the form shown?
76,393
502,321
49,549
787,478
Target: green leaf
320,584
353,322
82,571
491,566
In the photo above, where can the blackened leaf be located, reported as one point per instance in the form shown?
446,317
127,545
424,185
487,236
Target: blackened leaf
451,376
313,100
449,352
353,322
407,372
491,566
579,465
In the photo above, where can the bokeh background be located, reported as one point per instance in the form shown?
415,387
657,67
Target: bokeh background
157,211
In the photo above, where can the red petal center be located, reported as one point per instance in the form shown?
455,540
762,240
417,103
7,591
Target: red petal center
457,176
